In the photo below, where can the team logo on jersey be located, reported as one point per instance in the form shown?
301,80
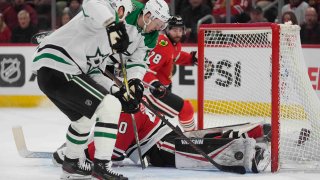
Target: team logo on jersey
88,102
163,43
12,70
95,60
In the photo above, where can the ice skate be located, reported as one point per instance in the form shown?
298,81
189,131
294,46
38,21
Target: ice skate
76,169
102,171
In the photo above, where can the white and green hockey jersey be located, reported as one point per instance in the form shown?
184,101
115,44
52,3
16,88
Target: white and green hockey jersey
82,46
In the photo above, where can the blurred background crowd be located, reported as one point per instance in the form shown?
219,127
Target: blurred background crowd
20,19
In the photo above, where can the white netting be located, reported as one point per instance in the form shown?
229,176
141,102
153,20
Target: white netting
237,88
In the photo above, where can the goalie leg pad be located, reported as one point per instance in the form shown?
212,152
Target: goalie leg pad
240,152
224,151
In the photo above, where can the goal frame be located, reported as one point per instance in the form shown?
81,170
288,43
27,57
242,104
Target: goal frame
275,99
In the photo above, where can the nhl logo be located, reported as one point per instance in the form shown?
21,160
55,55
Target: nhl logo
10,70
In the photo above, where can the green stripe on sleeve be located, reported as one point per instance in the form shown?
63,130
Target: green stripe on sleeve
134,65
50,56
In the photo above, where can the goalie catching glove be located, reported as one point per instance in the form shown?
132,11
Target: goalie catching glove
118,37
159,90
129,104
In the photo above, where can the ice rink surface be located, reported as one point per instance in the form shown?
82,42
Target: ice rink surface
44,130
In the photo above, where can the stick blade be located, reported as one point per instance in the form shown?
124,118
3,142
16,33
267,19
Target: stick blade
22,147
45,155
20,141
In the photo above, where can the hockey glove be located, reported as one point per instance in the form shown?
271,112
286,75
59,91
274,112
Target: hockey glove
129,104
118,37
194,55
136,88
159,91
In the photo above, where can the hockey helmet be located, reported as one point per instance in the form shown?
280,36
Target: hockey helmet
158,9
126,4
175,21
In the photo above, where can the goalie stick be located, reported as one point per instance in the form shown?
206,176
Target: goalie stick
235,169
22,147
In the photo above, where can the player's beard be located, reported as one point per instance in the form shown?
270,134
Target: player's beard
176,39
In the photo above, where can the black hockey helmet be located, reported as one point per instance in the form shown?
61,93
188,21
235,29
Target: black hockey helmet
175,21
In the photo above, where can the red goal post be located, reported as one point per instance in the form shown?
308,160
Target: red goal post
256,73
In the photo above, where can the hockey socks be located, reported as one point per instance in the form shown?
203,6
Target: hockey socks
104,139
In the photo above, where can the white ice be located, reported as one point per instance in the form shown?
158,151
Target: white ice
44,129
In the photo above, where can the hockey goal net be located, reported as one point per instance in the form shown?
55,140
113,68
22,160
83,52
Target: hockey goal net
257,73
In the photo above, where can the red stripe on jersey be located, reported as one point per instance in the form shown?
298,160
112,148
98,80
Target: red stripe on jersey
162,107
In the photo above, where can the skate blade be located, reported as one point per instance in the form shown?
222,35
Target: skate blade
95,177
67,176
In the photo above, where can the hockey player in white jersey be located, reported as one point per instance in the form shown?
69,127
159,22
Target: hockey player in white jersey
72,55
62,63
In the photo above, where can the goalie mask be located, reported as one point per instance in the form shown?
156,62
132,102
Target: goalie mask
125,4
159,10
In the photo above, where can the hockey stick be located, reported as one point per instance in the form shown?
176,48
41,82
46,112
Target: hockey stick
38,37
135,130
235,169
22,147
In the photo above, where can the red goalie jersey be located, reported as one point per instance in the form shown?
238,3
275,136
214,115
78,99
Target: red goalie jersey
162,59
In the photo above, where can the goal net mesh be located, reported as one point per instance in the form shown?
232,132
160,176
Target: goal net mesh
238,88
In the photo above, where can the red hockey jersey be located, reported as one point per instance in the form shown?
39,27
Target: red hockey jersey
162,59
